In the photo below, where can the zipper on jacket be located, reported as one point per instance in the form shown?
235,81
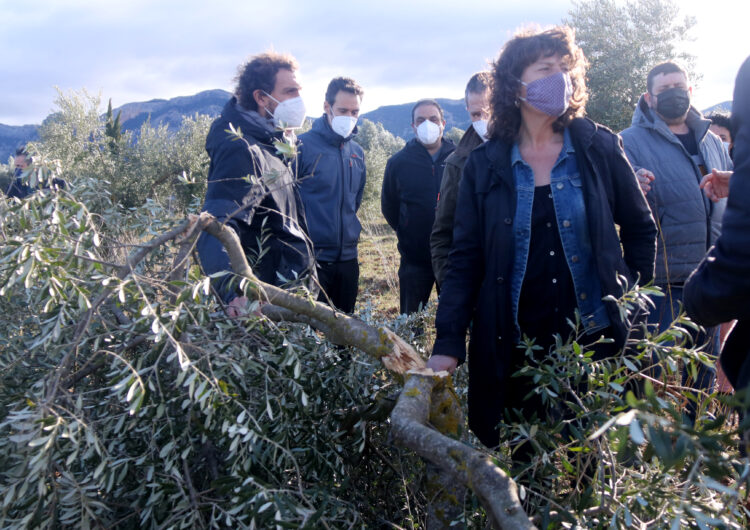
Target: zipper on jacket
341,202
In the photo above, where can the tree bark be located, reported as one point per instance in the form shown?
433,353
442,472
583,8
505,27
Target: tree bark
415,407
382,343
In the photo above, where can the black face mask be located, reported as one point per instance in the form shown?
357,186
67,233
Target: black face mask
673,103
18,172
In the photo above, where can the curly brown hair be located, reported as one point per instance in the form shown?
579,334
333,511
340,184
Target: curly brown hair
524,49
260,73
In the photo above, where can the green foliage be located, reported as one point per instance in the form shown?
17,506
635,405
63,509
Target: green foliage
455,135
622,42
616,449
112,127
167,167
379,146
127,401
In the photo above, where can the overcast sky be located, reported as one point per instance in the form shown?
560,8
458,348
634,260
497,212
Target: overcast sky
398,50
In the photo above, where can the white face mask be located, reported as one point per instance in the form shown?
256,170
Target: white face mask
343,125
726,144
428,132
289,114
480,126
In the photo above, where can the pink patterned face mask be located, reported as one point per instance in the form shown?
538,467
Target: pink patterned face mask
550,94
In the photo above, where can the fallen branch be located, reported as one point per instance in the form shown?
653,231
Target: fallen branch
496,491
122,272
381,343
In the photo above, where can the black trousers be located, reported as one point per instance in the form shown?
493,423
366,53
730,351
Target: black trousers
416,283
340,281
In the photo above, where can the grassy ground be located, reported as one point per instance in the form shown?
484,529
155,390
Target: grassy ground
378,273
379,285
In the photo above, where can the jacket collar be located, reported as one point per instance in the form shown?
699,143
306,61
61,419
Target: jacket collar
249,127
469,141
415,146
499,152
515,152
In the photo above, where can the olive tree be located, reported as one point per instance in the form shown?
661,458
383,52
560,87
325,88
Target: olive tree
622,42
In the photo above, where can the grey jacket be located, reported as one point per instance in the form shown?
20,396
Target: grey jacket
688,221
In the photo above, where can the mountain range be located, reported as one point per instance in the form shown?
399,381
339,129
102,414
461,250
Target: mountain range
394,118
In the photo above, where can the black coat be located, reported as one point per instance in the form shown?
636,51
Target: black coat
478,283
719,289
411,184
250,183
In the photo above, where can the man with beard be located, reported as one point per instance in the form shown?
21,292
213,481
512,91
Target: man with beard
251,186
411,184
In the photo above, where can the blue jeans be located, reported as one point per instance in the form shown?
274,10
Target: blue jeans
661,317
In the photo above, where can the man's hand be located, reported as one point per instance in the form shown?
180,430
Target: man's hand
645,178
440,363
716,184
237,307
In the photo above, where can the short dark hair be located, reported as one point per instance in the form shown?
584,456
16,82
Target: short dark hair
478,84
422,103
721,119
524,49
260,73
21,151
347,84
663,68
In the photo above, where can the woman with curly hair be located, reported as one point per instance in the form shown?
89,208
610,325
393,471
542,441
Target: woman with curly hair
535,237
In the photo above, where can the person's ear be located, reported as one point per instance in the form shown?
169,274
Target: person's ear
260,98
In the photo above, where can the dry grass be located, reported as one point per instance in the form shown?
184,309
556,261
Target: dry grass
378,270
379,285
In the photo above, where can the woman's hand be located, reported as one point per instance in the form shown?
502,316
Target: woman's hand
442,363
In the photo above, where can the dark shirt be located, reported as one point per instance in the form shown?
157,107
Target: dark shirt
547,293
691,146
688,141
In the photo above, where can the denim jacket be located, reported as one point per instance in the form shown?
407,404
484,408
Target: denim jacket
570,211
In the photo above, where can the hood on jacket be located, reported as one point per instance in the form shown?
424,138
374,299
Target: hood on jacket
232,114
323,128
646,118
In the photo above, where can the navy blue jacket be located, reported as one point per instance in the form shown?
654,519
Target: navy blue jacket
331,182
18,188
252,187
411,184
477,286
719,289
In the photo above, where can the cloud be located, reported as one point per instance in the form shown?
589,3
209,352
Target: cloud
137,50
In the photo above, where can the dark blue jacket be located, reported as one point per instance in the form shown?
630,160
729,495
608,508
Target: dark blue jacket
331,182
477,286
19,189
719,289
249,184
411,184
